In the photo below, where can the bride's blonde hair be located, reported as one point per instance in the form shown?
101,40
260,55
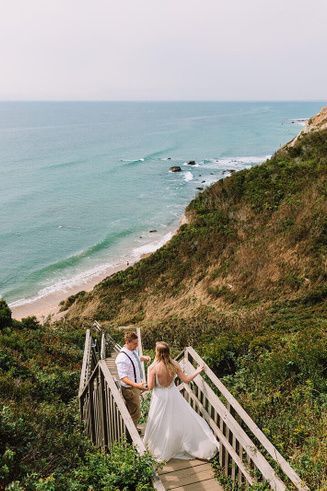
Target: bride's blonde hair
163,354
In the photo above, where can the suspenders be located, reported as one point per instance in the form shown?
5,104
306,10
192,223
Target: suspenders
134,369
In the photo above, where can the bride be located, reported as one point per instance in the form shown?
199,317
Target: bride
174,429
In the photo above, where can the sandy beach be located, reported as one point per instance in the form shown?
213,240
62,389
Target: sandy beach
47,306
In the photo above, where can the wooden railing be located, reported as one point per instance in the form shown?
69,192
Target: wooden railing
102,407
246,455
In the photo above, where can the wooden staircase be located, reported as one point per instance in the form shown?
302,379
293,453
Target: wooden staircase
180,475
111,364
246,456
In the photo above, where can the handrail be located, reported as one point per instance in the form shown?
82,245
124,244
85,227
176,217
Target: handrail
255,455
86,358
246,419
122,408
222,438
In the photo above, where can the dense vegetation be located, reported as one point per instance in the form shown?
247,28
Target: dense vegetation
42,446
245,283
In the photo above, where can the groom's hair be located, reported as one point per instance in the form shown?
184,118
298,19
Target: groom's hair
130,336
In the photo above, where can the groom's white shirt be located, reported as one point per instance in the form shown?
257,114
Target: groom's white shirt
125,367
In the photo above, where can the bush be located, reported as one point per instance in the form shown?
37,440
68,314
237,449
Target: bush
5,315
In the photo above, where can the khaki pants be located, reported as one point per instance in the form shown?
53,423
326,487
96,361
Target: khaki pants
133,402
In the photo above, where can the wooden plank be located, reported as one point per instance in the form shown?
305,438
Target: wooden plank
187,476
110,417
256,456
208,485
91,412
293,476
177,464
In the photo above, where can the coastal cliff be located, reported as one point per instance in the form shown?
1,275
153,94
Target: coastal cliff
252,239
243,281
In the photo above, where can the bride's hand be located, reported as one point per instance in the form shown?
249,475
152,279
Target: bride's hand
201,368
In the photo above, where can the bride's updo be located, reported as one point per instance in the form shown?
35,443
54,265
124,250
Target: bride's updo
163,354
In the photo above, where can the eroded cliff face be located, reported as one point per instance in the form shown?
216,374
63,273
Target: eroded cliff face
316,123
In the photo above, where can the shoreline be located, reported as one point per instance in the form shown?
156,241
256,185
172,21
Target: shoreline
47,306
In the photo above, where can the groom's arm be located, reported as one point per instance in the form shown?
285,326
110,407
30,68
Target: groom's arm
145,358
127,381
123,370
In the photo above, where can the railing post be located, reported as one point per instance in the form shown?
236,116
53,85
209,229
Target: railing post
103,347
103,411
91,412
138,332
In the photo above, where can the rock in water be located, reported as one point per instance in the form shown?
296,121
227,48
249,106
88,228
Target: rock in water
175,168
191,162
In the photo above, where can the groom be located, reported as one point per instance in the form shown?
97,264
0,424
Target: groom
130,374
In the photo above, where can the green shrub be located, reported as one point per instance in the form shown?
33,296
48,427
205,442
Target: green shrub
5,315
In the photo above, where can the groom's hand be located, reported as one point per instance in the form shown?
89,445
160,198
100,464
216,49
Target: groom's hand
146,358
140,386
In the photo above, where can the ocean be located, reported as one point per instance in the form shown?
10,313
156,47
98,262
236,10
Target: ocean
86,186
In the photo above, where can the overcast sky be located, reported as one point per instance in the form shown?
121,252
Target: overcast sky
163,49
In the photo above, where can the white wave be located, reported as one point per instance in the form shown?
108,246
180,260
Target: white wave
188,176
151,246
236,163
194,165
132,160
299,121
65,284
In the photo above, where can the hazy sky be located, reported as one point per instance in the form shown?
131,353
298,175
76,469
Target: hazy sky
163,49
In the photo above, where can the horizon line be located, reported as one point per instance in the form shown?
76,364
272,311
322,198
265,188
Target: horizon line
161,100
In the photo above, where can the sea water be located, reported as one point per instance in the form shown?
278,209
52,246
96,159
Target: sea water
85,185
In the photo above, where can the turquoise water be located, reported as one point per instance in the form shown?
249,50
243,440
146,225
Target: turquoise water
82,184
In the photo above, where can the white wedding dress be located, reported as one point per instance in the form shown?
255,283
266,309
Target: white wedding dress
175,430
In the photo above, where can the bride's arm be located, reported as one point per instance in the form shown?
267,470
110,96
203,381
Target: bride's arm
151,377
188,378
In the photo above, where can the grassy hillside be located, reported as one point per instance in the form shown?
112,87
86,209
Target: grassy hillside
42,446
245,283
254,238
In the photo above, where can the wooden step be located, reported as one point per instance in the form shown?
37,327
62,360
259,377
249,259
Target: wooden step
110,362
208,485
190,475
177,464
